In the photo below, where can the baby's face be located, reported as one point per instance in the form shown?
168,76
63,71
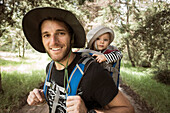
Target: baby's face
102,41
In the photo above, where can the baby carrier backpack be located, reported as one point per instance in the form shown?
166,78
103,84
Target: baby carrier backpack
74,79
113,68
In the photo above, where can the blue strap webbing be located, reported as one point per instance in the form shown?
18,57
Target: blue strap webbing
47,79
91,54
75,79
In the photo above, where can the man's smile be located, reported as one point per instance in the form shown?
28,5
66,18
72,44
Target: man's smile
55,49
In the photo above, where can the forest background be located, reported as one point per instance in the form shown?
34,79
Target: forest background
142,29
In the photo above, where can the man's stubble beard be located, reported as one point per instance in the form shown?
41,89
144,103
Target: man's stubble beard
65,56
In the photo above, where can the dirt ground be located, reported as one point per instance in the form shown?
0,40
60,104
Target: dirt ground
139,105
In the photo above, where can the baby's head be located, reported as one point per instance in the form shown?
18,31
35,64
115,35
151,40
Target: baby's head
101,42
99,38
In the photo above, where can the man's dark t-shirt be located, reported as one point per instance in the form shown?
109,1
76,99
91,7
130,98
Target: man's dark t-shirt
97,86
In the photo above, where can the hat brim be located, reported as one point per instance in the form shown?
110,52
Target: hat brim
31,26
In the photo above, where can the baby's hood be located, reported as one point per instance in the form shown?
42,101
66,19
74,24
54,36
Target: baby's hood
93,34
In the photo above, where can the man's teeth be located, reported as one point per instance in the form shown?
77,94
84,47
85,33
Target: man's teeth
55,49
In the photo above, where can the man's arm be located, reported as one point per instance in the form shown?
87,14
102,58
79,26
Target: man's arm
75,104
120,104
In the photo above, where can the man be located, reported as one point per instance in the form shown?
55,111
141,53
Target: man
56,31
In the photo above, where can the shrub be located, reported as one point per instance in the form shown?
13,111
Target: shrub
145,64
162,76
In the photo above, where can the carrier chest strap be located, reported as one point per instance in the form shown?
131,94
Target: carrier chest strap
55,102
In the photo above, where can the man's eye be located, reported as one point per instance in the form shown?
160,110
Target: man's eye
46,35
61,33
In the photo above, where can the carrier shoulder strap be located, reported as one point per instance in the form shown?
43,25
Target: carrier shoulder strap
47,83
77,75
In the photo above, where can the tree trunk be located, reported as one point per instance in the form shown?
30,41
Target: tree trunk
13,44
151,55
23,48
127,41
1,90
19,52
129,53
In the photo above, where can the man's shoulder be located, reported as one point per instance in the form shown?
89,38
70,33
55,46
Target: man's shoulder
89,62
50,63
95,68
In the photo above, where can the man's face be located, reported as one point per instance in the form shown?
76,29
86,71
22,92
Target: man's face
56,39
103,41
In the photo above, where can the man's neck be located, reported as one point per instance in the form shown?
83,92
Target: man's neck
64,62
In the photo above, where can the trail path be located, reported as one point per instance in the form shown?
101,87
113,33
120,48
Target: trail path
36,59
139,106
34,109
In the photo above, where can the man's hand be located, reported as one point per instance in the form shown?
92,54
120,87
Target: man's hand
100,58
75,105
35,97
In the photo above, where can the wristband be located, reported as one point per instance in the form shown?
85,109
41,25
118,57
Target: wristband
92,111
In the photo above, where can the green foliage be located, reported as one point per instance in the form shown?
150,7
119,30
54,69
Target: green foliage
145,25
153,37
19,76
12,37
109,15
148,34
145,63
162,76
16,85
157,95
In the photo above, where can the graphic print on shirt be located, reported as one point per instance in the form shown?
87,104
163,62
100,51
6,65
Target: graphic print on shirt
61,106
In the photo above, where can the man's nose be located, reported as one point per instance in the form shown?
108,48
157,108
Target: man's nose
54,39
